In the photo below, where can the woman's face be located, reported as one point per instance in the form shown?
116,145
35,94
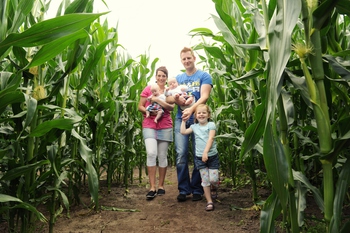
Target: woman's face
161,78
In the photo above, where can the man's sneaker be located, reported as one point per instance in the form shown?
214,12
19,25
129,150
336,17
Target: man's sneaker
160,192
181,197
197,197
151,194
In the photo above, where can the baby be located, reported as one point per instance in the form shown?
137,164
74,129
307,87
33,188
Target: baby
175,90
155,107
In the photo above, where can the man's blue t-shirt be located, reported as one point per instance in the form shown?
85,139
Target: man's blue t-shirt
194,83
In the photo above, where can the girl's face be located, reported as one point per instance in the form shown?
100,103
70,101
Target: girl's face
202,115
161,78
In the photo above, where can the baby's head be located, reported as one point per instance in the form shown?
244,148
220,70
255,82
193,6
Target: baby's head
172,83
155,89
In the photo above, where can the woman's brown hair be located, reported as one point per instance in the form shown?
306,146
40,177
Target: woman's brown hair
163,69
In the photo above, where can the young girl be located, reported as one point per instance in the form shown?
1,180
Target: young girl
207,158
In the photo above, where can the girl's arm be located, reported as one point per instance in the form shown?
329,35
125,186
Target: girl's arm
210,141
183,129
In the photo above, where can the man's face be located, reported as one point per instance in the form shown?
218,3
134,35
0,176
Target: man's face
187,60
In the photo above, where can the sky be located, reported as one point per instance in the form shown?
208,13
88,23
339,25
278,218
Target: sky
159,28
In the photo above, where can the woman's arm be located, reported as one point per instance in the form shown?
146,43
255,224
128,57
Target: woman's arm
164,104
142,104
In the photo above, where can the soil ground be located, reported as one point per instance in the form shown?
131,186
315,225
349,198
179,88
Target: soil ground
233,212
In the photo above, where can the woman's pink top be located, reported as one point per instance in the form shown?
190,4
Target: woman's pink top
164,122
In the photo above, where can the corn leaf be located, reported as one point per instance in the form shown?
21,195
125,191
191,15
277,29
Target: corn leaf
78,6
22,10
10,98
55,47
87,156
343,7
22,205
9,82
298,176
255,131
280,30
31,110
23,170
7,198
32,209
340,193
228,36
92,62
61,123
48,31
276,164
269,213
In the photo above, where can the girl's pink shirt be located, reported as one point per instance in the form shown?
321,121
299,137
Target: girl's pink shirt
164,122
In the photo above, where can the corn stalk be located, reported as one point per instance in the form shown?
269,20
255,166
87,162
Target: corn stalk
276,23
25,46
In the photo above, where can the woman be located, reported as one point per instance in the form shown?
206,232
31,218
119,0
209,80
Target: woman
158,135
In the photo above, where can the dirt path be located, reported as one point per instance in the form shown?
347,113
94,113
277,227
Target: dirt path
163,213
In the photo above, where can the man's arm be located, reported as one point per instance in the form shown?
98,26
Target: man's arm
205,93
177,99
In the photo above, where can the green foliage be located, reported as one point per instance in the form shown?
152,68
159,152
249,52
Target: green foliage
69,94
66,84
288,101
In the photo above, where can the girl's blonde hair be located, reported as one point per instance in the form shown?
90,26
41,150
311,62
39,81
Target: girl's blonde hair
201,106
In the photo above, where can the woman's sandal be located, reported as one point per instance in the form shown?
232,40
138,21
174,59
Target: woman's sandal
210,206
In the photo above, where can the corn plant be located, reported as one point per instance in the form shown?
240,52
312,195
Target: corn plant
65,87
235,99
296,105
33,108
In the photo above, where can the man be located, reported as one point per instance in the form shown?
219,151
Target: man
199,83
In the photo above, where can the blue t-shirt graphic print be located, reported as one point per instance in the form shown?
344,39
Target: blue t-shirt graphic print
194,83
